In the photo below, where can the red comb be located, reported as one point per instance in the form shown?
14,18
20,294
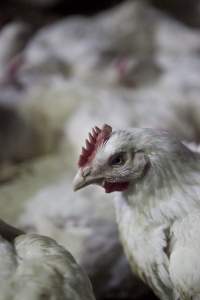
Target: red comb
96,138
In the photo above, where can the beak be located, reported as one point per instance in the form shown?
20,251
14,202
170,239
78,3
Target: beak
81,180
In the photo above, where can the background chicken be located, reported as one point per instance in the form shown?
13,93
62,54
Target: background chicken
35,267
158,209
64,66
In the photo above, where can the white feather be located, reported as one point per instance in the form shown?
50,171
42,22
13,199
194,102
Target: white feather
159,217
35,267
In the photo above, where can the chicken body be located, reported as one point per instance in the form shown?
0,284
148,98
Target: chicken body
164,255
158,206
35,267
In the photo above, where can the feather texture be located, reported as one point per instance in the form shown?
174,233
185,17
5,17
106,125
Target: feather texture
159,219
159,211
35,267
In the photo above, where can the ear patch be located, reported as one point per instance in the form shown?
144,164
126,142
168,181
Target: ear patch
97,138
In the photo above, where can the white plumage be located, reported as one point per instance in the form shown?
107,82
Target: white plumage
158,208
34,267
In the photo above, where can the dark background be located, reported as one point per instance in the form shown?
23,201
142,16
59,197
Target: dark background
39,12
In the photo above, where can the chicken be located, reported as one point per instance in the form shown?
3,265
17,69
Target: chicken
157,180
35,267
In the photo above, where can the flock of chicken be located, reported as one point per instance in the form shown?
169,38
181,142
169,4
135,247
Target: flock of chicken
156,178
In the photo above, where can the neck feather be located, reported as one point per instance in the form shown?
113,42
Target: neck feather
170,190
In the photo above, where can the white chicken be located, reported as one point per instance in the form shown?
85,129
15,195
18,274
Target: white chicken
158,203
35,267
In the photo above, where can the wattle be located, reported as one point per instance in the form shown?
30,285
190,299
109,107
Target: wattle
115,186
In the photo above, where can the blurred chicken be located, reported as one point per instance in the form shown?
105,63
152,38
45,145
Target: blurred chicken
158,207
35,267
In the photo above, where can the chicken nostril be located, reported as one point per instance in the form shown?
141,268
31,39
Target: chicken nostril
86,172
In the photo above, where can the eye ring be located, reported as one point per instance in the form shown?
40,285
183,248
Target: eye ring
117,159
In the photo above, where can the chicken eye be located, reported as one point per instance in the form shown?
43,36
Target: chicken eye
117,159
